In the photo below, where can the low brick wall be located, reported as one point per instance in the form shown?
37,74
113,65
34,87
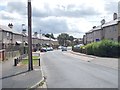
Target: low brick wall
2,55
11,54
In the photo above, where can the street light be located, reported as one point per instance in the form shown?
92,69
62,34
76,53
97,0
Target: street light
40,39
30,63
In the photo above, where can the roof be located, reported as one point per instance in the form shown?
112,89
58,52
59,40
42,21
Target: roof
19,42
15,32
54,40
96,28
40,37
89,31
44,38
6,28
113,22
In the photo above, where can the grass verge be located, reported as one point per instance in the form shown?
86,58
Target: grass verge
34,58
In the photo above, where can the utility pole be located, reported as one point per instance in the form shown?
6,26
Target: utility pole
30,63
50,40
40,39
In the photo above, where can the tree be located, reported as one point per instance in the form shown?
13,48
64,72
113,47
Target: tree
63,38
49,35
71,38
52,36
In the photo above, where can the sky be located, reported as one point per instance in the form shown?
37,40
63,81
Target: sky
74,17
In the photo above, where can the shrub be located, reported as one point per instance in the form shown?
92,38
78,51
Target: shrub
105,48
89,49
82,49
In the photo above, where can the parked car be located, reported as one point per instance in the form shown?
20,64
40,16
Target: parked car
34,49
64,48
60,47
78,46
49,49
43,49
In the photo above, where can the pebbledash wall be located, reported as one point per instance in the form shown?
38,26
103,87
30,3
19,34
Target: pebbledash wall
107,30
10,39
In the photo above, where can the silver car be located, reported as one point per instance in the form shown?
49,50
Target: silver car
64,48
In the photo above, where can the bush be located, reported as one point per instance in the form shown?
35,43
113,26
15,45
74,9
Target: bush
82,49
89,49
105,48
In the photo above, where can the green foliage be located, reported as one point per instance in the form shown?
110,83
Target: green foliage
71,38
35,61
49,35
63,39
105,48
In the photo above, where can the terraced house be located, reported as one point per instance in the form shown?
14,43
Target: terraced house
13,43
107,30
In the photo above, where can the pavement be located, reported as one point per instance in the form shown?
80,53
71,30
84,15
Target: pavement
19,76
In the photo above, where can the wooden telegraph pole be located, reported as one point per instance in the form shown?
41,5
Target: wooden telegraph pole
30,62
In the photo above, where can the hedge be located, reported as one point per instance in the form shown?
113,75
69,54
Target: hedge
104,48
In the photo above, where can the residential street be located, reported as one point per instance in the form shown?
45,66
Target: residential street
64,70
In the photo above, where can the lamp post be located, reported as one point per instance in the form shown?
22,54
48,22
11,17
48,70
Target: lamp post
40,47
40,39
30,63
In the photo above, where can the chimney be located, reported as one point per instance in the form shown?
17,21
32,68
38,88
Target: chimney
10,25
103,22
119,10
114,16
23,29
35,34
94,27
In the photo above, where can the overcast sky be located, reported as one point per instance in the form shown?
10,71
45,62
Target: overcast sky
74,17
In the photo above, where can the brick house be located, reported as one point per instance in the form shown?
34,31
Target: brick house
5,40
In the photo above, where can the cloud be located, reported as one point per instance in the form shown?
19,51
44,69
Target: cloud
50,25
56,16
69,11
6,16
60,25
111,7
9,16
18,7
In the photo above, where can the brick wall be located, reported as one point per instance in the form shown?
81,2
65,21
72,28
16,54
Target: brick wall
2,55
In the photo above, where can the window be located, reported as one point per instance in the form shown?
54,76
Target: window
8,34
114,28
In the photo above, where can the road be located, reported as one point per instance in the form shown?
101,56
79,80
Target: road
63,70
